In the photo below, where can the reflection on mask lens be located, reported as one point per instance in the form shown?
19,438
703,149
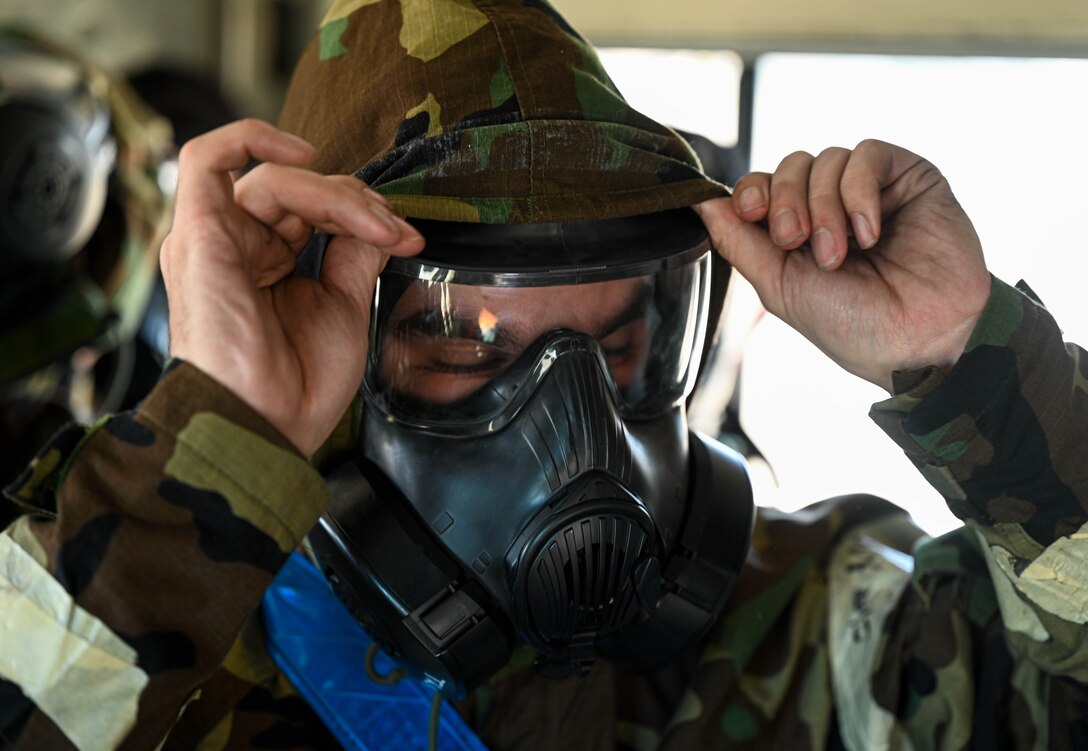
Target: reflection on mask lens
437,345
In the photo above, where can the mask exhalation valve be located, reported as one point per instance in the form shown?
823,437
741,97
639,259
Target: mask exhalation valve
586,571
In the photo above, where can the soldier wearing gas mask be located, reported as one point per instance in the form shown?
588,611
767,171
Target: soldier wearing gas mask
82,218
519,514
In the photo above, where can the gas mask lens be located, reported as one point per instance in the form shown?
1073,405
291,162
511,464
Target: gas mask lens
464,349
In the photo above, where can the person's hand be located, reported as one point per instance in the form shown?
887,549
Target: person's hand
293,348
866,252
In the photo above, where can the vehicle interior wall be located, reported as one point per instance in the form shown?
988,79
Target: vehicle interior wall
1050,27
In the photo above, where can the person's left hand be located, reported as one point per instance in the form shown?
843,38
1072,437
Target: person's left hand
905,291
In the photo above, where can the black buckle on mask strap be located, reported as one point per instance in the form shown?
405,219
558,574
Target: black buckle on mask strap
404,590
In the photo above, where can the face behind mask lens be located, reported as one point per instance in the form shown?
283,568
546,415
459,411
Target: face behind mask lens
450,354
525,473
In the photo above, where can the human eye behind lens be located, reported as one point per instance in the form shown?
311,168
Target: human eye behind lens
618,356
468,358
625,351
619,351
439,370
619,345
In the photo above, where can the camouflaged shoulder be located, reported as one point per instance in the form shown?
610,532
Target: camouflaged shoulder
145,543
1002,436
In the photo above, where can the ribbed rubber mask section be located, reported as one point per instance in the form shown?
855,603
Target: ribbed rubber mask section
584,578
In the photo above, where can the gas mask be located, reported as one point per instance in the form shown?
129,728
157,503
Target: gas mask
525,473
57,154
81,218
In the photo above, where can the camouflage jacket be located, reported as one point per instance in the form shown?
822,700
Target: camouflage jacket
128,584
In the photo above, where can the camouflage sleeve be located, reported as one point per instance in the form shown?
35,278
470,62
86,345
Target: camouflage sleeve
1003,437
144,543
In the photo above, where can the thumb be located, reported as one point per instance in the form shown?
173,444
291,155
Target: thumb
352,266
747,247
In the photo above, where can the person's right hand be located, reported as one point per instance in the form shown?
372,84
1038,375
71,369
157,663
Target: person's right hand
292,348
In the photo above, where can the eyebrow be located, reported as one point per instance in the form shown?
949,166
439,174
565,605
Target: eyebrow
635,310
508,336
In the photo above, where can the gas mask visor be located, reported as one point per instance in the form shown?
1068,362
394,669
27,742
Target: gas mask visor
462,336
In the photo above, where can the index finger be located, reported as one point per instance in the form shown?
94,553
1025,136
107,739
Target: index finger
205,163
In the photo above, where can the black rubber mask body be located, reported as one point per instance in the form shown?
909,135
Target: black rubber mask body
572,522
557,512
570,529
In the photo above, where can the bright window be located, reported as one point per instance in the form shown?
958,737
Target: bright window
694,90
1009,135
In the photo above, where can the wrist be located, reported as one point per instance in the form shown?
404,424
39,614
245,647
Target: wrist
944,349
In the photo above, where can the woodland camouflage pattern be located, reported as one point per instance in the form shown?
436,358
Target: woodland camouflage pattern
482,111
148,539
99,297
145,542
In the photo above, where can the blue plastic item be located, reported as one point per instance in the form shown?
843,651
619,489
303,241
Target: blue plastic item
322,651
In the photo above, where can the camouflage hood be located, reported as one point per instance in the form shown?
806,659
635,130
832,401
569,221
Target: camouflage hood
493,111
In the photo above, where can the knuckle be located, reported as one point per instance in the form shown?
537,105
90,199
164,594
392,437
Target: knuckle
855,183
791,178
352,182
835,153
246,131
348,189
189,149
250,126
797,158
786,188
870,144
823,201
825,189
